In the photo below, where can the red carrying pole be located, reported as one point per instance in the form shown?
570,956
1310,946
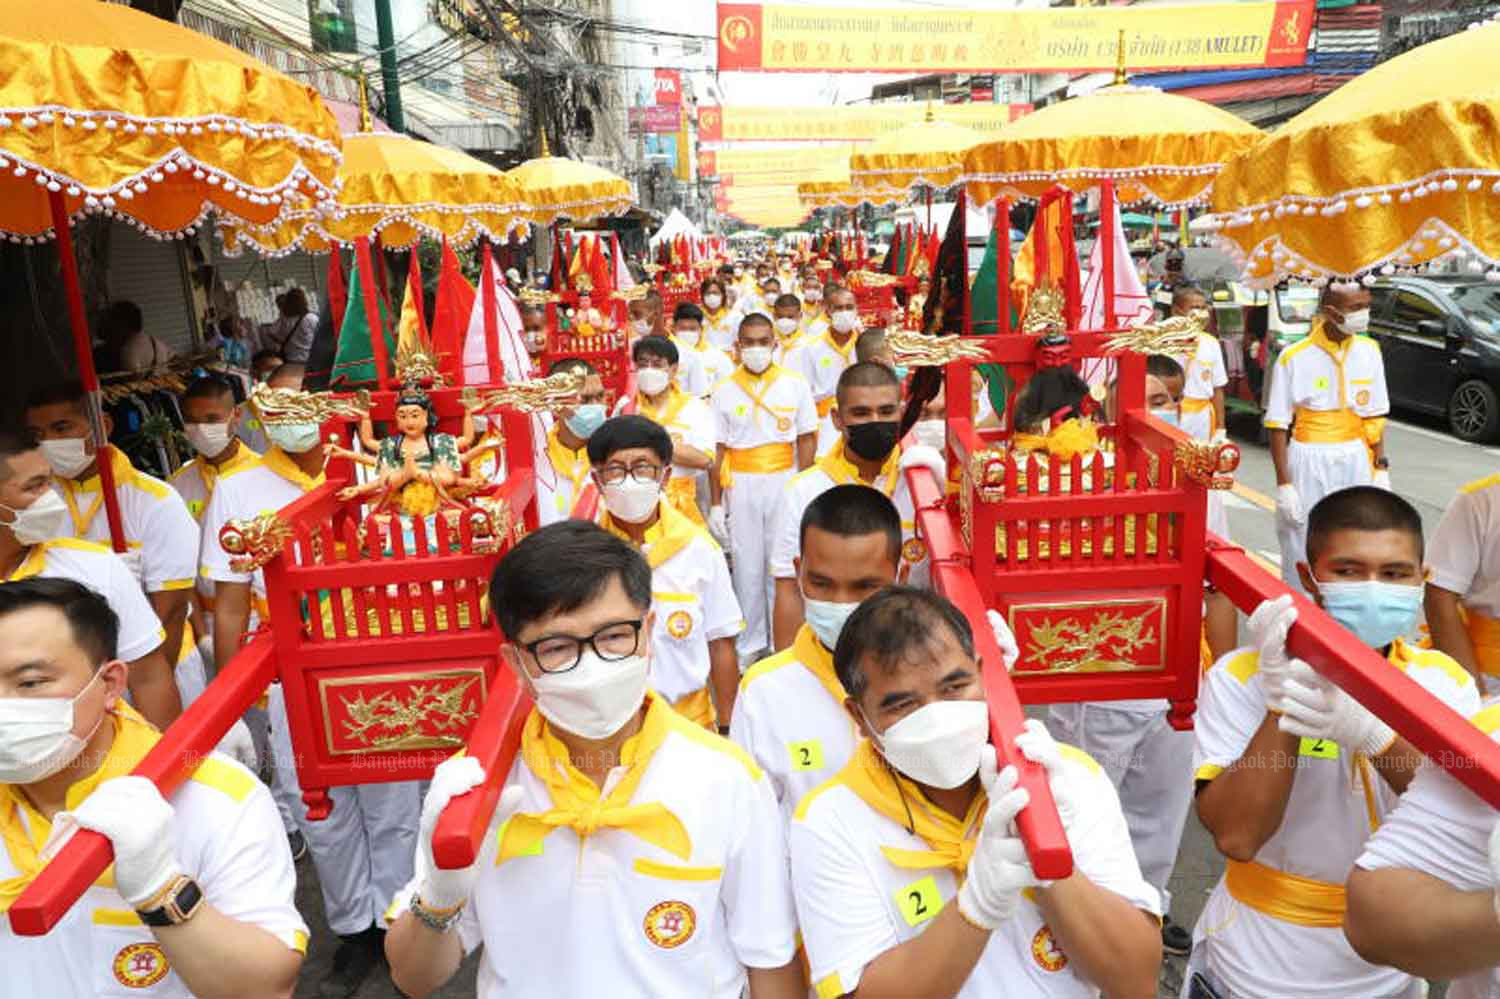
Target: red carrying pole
83,346
1107,251
491,327
363,265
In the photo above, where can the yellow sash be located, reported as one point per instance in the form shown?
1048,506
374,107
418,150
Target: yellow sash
1484,633
763,460
1199,405
669,535
1287,897
825,406
282,464
576,801
24,839
1336,426
842,471
898,799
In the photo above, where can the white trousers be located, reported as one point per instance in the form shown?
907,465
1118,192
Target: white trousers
751,508
1317,470
191,677
1151,766
364,851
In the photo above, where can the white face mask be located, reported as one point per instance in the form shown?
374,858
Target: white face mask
67,456
653,381
940,743
595,698
812,295
1356,322
640,327
755,359
208,439
844,320
688,337
713,300
36,736
786,326
631,501
293,438
46,518
931,433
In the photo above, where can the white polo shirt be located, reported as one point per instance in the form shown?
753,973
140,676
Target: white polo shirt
693,600
775,408
155,519
1203,373
790,716
195,483
228,838
561,476
649,923
722,327
1439,827
689,421
264,487
854,904
1313,374
831,470
1335,803
1464,553
821,361
716,364
102,571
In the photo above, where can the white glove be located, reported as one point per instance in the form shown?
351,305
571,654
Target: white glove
922,456
131,813
718,525
1268,628
1314,708
1289,505
437,888
1038,746
239,746
1220,436
1009,650
132,559
998,870
1382,479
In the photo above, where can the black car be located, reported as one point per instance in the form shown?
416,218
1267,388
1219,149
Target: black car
1441,340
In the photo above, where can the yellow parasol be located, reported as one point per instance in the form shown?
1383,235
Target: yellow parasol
400,189
928,153
1155,146
551,188
108,110
130,116
1398,167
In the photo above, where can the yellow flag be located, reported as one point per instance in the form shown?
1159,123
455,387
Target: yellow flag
411,330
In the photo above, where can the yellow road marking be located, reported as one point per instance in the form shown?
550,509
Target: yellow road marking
1260,499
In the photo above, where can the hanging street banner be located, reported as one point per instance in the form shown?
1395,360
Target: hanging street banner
797,39
858,123
801,163
656,119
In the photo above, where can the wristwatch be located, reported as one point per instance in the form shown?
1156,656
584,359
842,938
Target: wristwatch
439,920
178,902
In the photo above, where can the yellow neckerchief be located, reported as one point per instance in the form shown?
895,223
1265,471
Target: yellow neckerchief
34,563
669,535
211,473
819,662
670,408
576,800
879,785
124,473
571,465
846,352
24,839
749,384
1338,352
842,471
716,317
282,464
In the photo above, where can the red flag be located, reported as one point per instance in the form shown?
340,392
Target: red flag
559,271
450,313
599,270
338,292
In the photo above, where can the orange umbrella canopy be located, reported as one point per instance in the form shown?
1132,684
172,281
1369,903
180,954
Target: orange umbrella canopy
136,117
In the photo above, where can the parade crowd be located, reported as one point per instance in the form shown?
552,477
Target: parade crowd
759,758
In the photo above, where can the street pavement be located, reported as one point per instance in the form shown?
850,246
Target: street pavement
1427,467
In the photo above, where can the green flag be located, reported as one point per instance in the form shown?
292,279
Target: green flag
354,358
983,310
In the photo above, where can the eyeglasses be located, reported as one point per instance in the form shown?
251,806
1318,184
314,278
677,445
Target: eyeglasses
561,653
641,471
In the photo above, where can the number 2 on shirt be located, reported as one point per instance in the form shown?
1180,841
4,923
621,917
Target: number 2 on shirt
1323,749
919,901
806,755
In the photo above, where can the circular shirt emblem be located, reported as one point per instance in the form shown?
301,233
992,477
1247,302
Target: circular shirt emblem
140,965
680,624
914,550
670,924
1362,397
1044,951
783,424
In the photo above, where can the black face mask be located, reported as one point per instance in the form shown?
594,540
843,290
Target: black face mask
873,441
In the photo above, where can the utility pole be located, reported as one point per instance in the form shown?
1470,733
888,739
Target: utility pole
385,37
